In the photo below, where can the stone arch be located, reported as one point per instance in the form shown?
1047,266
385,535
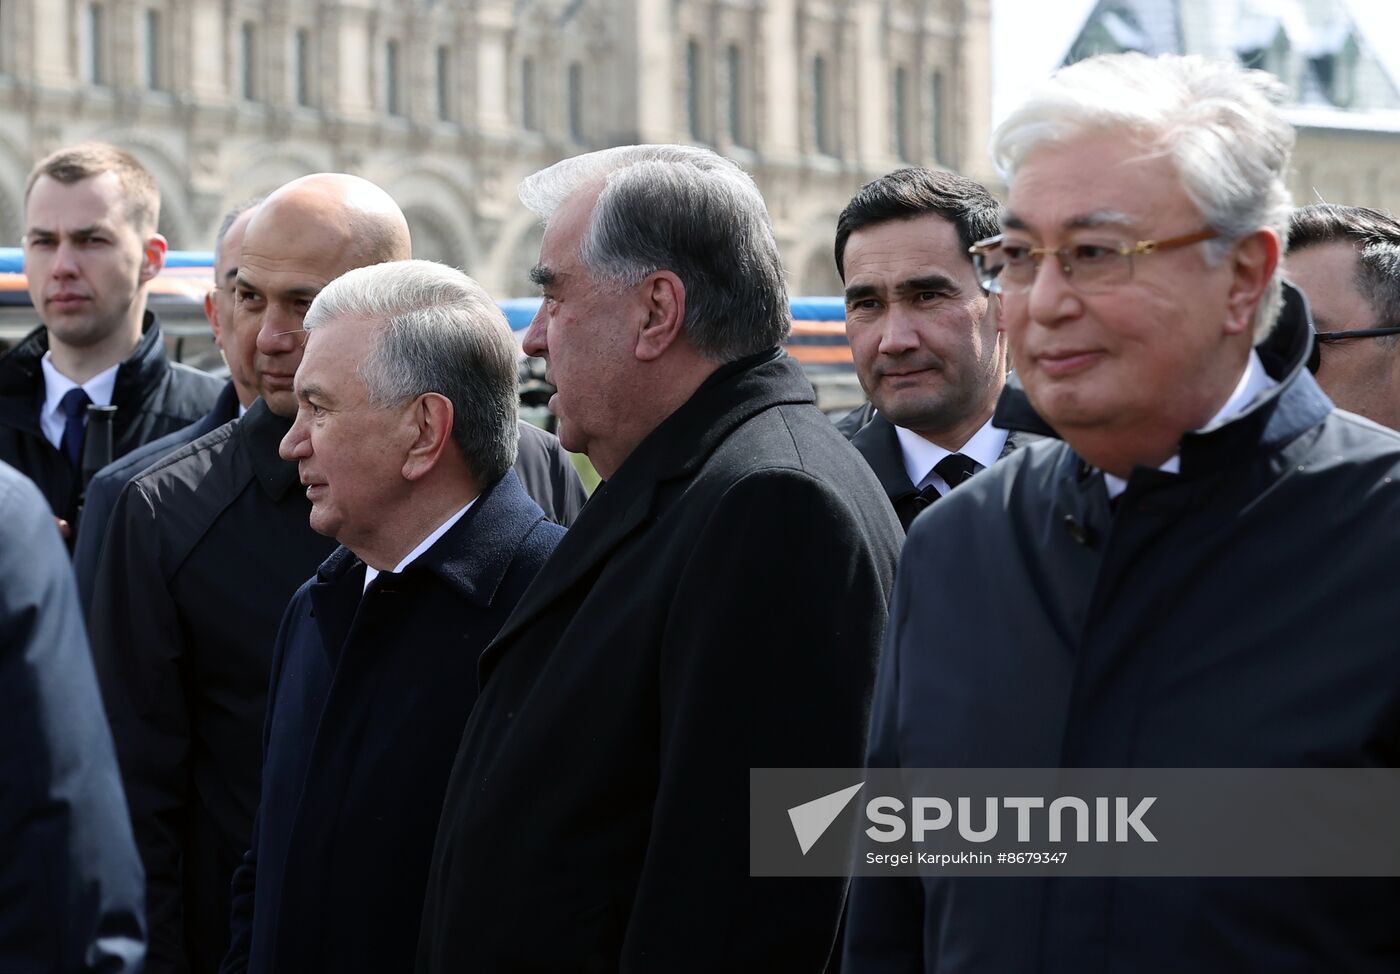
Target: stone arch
175,224
438,205
812,271
517,250
275,164
14,170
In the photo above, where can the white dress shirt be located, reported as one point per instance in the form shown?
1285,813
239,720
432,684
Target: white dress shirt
56,385
920,456
372,573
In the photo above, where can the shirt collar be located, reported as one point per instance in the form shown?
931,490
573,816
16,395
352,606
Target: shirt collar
372,573
1252,383
920,456
56,385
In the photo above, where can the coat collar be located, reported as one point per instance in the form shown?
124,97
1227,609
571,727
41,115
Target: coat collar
21,376
879,445
673,451
1274,419
262,431
471,558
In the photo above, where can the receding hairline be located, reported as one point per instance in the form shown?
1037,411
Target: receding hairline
371,222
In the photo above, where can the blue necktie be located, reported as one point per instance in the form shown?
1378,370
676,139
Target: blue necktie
74,405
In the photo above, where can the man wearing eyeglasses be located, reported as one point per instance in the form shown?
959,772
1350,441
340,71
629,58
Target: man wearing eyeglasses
1144,592
1346,260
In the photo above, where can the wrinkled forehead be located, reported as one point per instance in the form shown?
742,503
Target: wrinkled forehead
1103,179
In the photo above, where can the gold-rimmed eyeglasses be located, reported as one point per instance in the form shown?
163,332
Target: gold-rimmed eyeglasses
1091,266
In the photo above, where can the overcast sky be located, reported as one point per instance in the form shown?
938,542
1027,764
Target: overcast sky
1030,38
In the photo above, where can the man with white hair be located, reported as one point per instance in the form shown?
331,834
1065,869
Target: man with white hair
1146,592
405,432
717,606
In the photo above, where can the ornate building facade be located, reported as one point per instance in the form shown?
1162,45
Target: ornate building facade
448,103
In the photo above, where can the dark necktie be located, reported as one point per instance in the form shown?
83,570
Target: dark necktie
74,405
954,469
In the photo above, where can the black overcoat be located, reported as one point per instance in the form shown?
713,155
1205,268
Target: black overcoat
717,606
368,698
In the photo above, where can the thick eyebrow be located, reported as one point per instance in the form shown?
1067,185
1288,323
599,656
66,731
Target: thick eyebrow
542,276
87,231
243,282
928,282
310,391
858,291
231,273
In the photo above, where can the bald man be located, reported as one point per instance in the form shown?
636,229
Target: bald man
205,550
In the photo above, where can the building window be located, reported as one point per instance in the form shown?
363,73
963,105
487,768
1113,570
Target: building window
95,45
391,78
528,118
247,61
899,106
301,67
734,60
576,102
155,52
444,83
693,82
935,122
821,108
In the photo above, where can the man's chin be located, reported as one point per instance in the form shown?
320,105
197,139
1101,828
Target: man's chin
281,402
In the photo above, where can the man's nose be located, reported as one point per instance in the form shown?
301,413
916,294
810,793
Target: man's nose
279,333
296,445
900,332
65,260
534,341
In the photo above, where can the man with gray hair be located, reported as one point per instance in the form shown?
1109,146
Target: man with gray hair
405,434
1158,563
1346,260
597,815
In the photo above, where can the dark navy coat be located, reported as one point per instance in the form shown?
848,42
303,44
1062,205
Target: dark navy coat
70,879
1239,614
368,698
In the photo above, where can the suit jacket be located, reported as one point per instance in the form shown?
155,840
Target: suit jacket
106,486
368,699
878,443
717,606
153,396
70,879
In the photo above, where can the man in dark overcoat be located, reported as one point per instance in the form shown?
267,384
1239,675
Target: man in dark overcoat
405,434
716,607
70,878
1188,579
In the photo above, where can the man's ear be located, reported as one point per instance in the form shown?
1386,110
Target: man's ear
212,315
152,257
1255,259
663,299
430,431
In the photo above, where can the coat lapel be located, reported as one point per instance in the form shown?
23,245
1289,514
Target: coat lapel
674,450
